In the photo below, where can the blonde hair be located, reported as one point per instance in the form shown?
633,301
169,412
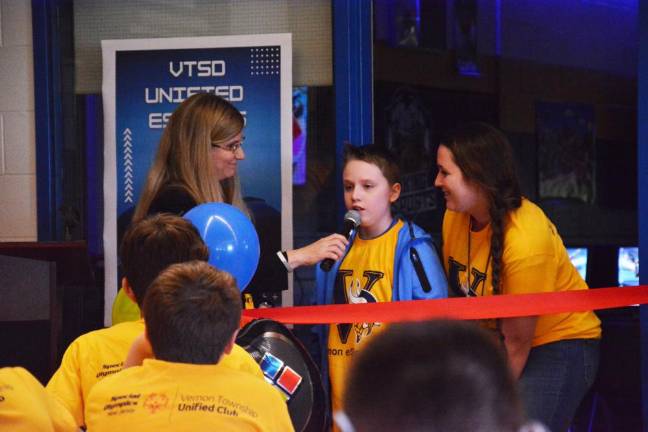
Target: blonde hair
182,157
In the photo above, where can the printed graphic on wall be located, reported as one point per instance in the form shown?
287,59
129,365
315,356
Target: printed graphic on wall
566,151
144,81
300,134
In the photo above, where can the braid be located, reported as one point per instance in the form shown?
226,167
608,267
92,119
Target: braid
503,200
497,215
485,158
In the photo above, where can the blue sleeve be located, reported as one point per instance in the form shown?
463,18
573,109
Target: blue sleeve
320,286
324,284
321,330
433,271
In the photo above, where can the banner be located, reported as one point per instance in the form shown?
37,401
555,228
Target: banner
143,82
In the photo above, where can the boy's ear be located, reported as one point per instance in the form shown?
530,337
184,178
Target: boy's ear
128,290
230,345
395,192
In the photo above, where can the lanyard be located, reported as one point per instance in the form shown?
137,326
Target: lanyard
466,287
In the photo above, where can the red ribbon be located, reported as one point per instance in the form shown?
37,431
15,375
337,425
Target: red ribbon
467,308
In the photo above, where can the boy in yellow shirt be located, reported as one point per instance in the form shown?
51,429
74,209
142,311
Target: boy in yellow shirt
388,259
192,313
148,247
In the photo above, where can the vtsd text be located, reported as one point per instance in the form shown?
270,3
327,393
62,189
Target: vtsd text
201,68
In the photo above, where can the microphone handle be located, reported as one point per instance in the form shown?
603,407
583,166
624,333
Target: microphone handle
327,264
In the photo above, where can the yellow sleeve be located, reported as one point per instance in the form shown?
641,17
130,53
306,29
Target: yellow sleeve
62,419
530,274
65,384
26,406
276,415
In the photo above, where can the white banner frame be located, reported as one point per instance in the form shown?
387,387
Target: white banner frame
109,52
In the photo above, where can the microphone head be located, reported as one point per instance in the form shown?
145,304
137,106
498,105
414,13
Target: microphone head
353,217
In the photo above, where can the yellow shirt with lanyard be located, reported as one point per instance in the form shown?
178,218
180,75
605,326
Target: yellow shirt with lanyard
365,276
534,260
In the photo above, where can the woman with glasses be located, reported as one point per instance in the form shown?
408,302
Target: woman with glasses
197,158
196,163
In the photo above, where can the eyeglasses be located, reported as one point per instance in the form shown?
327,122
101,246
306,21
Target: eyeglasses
233,147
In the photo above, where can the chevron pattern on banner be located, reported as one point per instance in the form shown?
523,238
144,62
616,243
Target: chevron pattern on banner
128,166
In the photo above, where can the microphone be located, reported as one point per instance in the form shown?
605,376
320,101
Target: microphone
351,223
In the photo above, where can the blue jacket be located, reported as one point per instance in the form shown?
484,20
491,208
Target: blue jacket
407,285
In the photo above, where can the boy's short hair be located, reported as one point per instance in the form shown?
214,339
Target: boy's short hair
437,376
191,311
379,156
152,244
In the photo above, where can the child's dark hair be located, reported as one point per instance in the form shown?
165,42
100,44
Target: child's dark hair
376,155
152,244
435,376
191,312
485,158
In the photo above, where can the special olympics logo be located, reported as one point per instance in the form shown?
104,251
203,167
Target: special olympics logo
155,402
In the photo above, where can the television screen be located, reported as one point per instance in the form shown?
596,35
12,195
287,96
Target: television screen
628,266
578,257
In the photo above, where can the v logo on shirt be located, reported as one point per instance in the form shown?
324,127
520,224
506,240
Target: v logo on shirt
459,290
348,290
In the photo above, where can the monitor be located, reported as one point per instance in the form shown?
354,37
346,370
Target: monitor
578,257
628,266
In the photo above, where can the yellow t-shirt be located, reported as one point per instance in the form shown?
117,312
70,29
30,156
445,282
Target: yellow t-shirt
164,396
26,406
365,276
100,353
534,260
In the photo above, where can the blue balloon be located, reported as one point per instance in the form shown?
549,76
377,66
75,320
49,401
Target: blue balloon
232,240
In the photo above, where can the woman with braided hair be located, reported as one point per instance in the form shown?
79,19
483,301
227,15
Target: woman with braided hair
495,241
